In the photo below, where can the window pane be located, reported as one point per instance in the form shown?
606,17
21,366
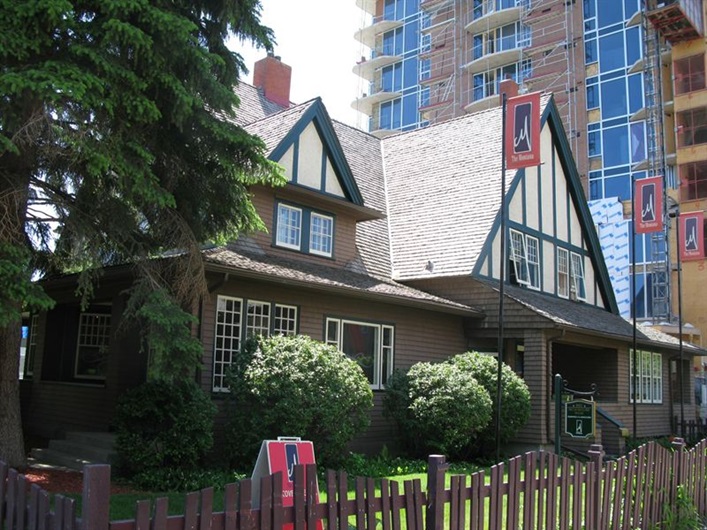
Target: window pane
285,320
92,345
227,338
361,343
563,268
611,51
321,234
258,319
289,226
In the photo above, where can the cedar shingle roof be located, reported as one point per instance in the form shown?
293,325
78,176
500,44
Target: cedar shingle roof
444,193
584,317
245,258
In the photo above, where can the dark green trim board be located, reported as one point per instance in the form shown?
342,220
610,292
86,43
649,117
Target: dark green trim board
317,114
552,117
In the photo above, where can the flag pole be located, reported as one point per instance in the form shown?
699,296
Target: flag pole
633,303
502,274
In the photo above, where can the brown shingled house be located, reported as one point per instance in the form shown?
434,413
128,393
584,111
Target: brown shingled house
393,244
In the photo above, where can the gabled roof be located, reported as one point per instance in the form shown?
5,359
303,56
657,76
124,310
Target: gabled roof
280,131
253,105
585,318
245,259
444,197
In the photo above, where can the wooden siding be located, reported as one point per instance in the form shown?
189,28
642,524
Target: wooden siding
419,335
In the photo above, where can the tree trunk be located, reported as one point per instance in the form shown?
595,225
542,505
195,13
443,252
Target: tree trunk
12,447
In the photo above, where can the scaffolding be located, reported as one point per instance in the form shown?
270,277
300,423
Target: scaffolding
659,266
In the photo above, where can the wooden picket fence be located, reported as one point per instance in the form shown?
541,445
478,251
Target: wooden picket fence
538,490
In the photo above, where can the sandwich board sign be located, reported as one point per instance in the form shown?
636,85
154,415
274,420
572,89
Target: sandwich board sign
283,455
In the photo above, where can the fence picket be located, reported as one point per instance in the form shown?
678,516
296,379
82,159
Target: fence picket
266,501
142,515
396,505
565,490
160,518
360,503
419,503
370,503
513,504
385,504
477,501
230,513
312,496
529,489
343,502
542,490
552,482
21,502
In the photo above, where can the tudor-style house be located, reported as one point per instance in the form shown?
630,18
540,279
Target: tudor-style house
389,249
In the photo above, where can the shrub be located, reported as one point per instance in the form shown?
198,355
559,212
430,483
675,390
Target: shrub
163,424
515,396
295,386
437,407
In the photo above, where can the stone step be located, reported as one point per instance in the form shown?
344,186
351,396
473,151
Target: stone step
77,450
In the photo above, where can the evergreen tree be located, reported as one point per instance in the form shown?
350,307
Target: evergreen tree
117,143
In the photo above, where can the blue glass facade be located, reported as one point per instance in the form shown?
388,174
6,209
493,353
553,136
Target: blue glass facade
615,143
401,113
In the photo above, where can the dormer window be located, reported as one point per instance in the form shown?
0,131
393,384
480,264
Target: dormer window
302,229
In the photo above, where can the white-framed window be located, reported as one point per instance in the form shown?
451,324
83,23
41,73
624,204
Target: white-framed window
304,230
238,319
649,377
577,272
92,346
31,350
289,226
285,321
370,345
533,260
257,319
227,338
563,273
525,259
321,234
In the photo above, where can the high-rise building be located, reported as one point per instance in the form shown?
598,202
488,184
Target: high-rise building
628,79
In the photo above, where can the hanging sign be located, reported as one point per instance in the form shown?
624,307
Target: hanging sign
692,239
580,418
523,131
648,205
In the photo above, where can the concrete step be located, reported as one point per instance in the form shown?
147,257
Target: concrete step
43,456
77,450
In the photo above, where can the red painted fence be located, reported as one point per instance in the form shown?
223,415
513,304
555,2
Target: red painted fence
538,490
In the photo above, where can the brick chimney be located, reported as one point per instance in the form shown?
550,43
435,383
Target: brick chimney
508,87
273,77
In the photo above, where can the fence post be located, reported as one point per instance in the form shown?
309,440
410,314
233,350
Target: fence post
596,453
96,497
436,467
679,446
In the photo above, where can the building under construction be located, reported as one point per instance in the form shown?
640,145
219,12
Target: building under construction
628,78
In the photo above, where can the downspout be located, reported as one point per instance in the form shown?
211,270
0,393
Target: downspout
550,377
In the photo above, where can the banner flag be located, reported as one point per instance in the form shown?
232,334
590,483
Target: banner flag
692,239
648,205
523,131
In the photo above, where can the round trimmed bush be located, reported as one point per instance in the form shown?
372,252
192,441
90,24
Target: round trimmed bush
295,386
437,407
515,396
163,424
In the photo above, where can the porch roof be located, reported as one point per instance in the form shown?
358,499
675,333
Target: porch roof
240,260
585,318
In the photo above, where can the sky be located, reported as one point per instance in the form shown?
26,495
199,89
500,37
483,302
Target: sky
315,38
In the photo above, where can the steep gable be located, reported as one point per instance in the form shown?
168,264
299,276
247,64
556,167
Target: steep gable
302,139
